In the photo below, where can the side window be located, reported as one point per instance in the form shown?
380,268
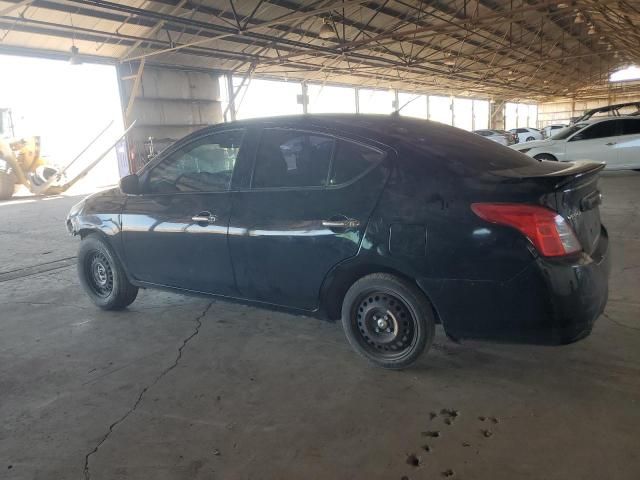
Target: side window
599,130
205,165
631,126
522,130
353,159
288,158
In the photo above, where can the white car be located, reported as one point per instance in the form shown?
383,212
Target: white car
526,134
551,130
498,136
612,140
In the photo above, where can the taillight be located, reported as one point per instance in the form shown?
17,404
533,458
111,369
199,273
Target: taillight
547,230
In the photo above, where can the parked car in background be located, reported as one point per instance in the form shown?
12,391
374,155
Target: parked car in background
551,130
612,140
385,223
526,134
498,136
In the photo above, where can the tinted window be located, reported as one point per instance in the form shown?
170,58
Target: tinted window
599,130
567,132
353,159
289,158
204,165
522,130
484,133
631,127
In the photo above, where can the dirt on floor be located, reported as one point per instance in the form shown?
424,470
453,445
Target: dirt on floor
188,388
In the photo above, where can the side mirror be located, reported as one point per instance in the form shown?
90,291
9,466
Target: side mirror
130,185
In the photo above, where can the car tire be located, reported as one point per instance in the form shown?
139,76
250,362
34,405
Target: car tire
387,320
7,185
529,139
545,156
102,275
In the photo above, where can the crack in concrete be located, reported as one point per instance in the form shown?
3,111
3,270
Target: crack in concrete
620,324
198,320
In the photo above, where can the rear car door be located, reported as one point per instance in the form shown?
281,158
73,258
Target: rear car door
175,232
306,209
596,142
628,144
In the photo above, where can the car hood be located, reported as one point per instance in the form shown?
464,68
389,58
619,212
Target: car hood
533,144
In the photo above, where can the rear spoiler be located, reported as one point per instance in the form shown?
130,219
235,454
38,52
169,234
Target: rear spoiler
563,172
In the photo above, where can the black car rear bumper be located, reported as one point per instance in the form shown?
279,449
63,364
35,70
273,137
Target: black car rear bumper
551,301
578,292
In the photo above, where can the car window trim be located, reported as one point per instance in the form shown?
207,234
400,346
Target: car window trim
335,138
147,171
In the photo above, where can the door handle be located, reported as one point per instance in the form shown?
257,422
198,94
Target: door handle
610,143
204,217
346,223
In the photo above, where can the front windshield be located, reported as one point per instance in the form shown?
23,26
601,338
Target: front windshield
567,132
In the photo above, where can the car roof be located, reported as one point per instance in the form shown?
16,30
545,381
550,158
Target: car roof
385,129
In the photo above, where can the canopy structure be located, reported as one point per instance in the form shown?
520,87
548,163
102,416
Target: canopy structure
516,49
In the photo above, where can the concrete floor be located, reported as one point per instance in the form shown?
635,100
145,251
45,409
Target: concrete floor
183,388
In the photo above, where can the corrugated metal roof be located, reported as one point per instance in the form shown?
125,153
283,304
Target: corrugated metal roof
528,49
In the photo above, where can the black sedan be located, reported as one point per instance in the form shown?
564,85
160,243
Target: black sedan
391,225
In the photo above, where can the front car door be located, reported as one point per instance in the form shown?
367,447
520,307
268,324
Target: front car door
175,232
628,145
597,142
306,210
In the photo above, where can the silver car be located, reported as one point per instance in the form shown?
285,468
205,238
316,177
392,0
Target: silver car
498,136
551,130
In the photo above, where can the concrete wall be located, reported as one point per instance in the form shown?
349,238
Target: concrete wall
562,110
496,114
169,104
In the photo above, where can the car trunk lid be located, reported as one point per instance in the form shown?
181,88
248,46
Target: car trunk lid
571,190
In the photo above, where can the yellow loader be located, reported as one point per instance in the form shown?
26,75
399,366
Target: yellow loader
22,164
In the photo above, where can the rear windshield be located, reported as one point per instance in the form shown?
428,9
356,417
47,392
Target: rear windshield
461,149
567,132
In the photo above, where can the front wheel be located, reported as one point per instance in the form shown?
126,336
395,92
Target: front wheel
102,276
387,320
545,156
7,185
530,139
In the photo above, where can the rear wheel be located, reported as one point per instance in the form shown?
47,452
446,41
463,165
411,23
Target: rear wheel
530,139
7,185
102,275
545,156
387,320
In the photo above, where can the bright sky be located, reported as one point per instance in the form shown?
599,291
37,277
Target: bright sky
629,73
264,98
66,105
